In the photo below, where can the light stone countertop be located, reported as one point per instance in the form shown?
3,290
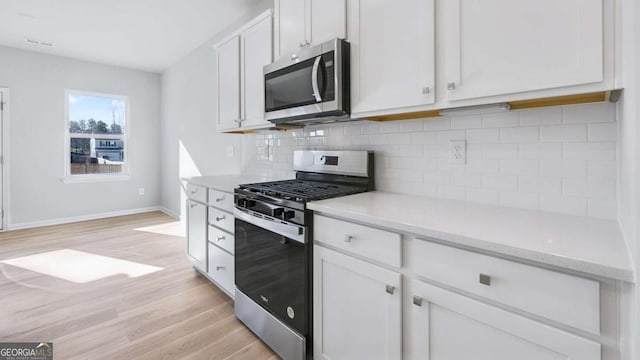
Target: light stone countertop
226,183
587,245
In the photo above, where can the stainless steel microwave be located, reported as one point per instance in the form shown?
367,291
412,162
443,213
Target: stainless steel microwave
310,86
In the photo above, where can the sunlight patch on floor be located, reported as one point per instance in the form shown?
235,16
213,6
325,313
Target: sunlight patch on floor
80,267
175,228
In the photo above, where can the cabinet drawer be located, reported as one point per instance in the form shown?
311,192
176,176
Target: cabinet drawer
380,245
221,219
221,238
197,193
221,268
559,297
221,200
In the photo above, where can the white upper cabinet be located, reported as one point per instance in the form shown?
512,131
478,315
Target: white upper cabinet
392,54
229,83
497,47
241,58
302,23
256,53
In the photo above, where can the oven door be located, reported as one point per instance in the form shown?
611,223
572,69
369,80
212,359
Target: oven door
272,266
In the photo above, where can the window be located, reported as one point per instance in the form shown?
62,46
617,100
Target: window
96,135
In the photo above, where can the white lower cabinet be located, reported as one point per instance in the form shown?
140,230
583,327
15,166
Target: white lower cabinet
448,326
197,234
221,268
357,308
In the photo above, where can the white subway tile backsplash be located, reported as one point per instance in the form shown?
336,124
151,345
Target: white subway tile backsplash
424,137
500,151
563,168
559,159
528,134
466,122
541,116
520,167
500,182
602,169
499,120
446,136
563,133
589,113
540,151
483,135
540,185
603,132
590,151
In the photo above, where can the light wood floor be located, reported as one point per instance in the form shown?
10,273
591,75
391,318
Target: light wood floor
173,313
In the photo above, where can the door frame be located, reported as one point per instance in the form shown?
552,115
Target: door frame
4,152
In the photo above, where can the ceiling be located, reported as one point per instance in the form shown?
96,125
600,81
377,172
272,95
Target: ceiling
148,35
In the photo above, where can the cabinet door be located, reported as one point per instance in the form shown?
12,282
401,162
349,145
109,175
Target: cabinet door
256,53
291,19
328,20
448,326
229,84
357,309
505,46
392,54
197,234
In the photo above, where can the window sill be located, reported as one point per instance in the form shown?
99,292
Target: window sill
74,179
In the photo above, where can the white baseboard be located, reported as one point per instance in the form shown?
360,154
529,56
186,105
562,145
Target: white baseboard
73,219
171,213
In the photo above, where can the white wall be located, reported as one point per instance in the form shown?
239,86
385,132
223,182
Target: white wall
191,145
629,133
558,159
37,84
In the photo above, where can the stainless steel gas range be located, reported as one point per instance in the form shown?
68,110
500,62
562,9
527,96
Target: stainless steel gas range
274,244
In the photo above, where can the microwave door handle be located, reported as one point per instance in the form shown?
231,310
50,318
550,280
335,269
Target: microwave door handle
314,79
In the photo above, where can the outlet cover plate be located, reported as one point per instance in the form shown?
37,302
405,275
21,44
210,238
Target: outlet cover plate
458,152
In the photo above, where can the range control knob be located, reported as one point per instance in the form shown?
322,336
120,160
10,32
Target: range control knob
288,215
277,212
246,203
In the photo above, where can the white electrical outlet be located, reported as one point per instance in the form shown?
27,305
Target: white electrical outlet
140,191
458,152
230,151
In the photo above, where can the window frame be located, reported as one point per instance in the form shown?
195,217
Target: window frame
125,174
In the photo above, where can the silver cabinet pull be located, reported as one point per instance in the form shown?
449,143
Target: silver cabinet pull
294,56
194,191
390,289
451,86
237,120
417,300
220,218
485,279
348,238
218,268
426,90
220,199
192,205
220,238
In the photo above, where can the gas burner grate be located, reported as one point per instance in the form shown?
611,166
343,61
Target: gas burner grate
301,190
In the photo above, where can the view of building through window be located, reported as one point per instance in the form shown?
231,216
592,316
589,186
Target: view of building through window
96,134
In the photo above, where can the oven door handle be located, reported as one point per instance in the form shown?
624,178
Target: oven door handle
292,232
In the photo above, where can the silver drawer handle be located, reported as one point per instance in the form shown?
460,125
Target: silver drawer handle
451,86
417,300
192,205
220,199
218,268
426,90
220,238
194,191
390,289
348,238
220,218
485,279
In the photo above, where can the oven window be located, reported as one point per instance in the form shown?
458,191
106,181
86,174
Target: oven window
272,270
